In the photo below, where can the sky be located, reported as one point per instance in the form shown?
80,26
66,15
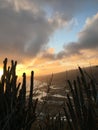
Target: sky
49,36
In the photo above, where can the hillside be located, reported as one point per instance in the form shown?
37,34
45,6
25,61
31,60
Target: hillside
60,78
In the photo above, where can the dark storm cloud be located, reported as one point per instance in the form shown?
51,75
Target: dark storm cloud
22,31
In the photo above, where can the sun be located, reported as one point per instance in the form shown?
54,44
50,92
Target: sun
1,72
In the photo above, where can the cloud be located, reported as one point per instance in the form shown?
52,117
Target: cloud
87,41
24,28
87,38
67,7
21,31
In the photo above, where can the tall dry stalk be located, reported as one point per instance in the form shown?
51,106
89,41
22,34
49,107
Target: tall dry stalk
16,111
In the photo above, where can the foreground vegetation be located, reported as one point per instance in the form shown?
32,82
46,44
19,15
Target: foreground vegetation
18,112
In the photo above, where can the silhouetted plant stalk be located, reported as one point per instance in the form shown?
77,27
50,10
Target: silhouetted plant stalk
16,111
82,111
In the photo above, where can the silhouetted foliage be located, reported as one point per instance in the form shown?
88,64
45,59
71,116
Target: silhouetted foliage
16,111
82,111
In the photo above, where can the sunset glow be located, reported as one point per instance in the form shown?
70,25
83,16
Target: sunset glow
1,72
49,36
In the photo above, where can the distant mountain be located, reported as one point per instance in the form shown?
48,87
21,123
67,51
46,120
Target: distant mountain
60,78
59,87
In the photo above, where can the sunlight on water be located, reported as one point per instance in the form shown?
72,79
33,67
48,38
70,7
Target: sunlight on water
38,93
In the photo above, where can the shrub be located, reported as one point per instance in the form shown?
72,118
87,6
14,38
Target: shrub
81,111
16,111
